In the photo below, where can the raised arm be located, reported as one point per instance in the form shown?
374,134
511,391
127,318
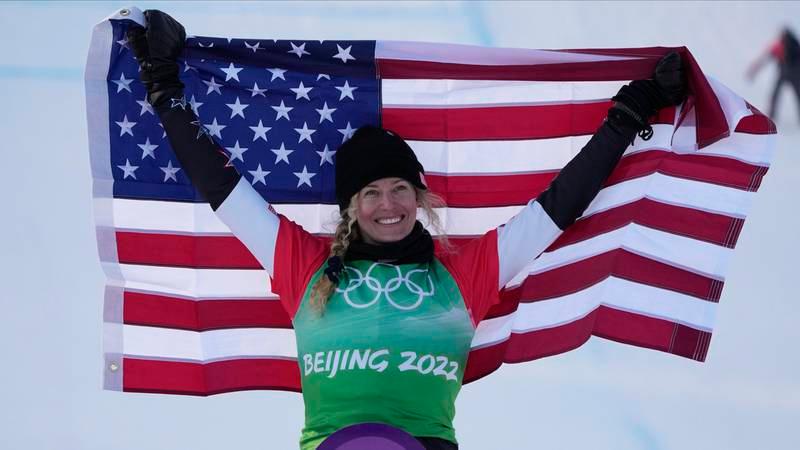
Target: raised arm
232,198
538,225
773,51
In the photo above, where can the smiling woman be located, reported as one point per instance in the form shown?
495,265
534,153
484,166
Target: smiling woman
387,210
384,319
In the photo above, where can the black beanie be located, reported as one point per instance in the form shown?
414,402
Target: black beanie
370,154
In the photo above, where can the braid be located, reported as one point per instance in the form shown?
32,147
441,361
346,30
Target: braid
344,234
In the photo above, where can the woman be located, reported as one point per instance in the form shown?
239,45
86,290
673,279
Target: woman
383,318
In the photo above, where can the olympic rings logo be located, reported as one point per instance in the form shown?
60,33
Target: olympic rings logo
356,279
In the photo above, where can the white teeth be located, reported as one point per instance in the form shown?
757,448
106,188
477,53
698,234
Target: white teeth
389,221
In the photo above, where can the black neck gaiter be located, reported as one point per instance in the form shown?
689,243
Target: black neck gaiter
417,247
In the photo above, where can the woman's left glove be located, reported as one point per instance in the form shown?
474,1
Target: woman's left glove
156,50
636,102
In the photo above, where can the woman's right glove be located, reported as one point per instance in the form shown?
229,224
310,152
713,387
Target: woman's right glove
636,102
156,50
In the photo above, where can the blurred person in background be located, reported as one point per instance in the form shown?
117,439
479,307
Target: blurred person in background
785,50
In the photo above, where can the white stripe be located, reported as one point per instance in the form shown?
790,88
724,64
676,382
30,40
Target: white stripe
690,254
755,149
474,54
675,191
197,283
199,218
536,155
471,93
612,292
497,157
733,106
205,346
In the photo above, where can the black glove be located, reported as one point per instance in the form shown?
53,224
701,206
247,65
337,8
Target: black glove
641,99
156,50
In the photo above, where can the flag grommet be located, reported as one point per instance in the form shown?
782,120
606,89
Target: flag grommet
124,12
113,367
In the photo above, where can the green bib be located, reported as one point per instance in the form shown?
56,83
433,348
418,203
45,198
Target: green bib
390,347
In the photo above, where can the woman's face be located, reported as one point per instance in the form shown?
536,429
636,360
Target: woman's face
387,210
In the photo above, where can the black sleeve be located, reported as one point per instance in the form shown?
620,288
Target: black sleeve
570,193
204,162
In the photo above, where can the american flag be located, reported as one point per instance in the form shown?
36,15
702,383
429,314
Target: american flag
188,310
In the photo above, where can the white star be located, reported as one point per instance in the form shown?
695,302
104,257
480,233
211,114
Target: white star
128,169
260,132
237,109
148,149
256,91
205,46
301,91
258,175
304,177
216,129
277,73
236,152
344,53
326,113
187,68
326,156
201,130
254,48
178,102
213,86
146,106
299,51
125,126
305,133
123,43
323,75
123,83
282,110
162,129
231,72
282,154
346,90
195,105
347,132
169,172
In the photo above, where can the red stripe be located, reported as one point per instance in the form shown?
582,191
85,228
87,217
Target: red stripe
496,123
605,322
756,124
694,166
174,377
574,71
718,229
619,263
172,312
502,122
475,191
184,251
